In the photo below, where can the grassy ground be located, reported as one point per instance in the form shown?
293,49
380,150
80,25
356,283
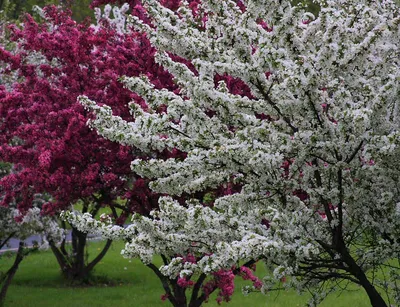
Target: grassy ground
121,282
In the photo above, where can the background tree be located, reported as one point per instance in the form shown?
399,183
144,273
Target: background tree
16,8
43,130
14,225
315,148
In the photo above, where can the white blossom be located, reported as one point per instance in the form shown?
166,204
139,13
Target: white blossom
333,98
16,224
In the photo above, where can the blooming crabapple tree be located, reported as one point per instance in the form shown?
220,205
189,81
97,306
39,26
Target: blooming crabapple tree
14,225
315,147
43,130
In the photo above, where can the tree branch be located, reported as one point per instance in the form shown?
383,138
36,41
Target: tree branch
164,282
100,256
4,242
274,106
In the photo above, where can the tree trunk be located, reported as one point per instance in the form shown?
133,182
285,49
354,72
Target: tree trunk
374,297
197,303
78,253
11,272
74,265
179,294
197,300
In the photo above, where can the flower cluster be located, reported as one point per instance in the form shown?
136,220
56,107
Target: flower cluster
224,280
247,274
18,225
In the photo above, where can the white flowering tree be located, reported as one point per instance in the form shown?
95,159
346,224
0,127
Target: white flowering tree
314,147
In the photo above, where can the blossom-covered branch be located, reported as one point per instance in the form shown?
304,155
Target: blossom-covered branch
314,145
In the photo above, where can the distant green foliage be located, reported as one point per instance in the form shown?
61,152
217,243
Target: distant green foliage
13,9
311,6
4,168
81,10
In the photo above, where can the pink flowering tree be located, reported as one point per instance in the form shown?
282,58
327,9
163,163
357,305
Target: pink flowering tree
43,130
14,225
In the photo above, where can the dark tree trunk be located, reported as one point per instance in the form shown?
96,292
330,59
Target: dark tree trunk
197,300
338,244
73,265
374,297
176,294
179,294
353,268
11,272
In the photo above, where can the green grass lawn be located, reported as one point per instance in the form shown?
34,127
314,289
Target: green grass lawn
128,283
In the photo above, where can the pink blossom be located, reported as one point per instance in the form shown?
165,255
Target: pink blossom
247,274
164,297
184,283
